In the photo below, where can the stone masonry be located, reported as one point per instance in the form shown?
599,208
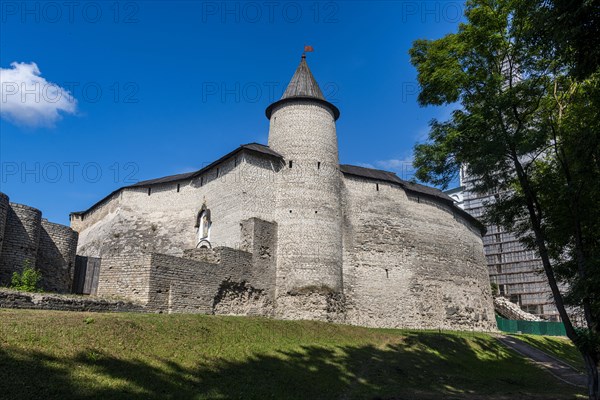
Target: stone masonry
26,238
286,231
210,281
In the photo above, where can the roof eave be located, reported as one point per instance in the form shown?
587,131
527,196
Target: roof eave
149,183
334,109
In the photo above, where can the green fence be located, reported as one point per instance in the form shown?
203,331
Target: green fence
531,327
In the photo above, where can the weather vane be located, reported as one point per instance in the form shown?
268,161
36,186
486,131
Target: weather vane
307,49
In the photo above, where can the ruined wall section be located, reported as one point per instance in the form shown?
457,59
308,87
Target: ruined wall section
209,281
410,263
20,245
4,205
126,277
162,218
26,238
56,256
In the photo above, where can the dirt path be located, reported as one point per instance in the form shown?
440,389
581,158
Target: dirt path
556,367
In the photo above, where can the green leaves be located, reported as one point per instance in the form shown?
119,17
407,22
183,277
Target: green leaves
525,130
440,72
28,280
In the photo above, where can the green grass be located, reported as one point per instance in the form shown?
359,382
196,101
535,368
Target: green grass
561,348
68,355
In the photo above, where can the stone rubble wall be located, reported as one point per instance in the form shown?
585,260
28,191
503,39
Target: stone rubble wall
410,262
208,281
44,301
125,276
21,238
4,206
510,310
56,256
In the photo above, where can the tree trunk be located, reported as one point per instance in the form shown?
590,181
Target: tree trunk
591,367
590,358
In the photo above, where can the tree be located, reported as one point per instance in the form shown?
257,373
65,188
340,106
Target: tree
572,29
528,129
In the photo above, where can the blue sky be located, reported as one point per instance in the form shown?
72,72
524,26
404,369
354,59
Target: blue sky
134,90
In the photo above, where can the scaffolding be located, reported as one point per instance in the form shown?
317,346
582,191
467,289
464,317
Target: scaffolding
516,270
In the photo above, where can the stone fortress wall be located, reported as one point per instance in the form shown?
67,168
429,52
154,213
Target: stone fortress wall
411,261
27,238
294,235
162,217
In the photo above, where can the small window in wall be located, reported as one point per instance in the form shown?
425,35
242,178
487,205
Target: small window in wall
178,187
502,289
387,273
204,224
377,186
515,298
319,165
149,191
290,163
217,172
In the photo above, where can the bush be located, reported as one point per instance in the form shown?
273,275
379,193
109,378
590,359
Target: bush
494,289
28,280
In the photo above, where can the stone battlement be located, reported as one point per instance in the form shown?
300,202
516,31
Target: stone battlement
27,238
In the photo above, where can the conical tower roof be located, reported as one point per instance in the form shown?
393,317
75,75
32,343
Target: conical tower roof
303,83
303,86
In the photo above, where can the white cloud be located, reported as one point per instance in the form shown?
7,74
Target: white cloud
365,165
26,98
403,167
395,164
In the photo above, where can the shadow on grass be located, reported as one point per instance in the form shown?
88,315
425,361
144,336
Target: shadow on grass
424,365
562,349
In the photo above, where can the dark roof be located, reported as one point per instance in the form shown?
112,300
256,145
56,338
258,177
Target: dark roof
303,86
370,173
303,83
391,177
252,147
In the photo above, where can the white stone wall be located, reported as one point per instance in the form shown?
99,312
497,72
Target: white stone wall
164,221
407,260
410,264
308,207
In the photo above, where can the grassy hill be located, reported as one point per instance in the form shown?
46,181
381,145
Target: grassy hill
68,355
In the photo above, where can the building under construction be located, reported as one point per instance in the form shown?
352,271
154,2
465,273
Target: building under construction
517,271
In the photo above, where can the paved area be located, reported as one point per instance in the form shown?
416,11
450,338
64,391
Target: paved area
558,368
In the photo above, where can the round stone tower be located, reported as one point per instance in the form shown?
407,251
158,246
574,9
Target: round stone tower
308,210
